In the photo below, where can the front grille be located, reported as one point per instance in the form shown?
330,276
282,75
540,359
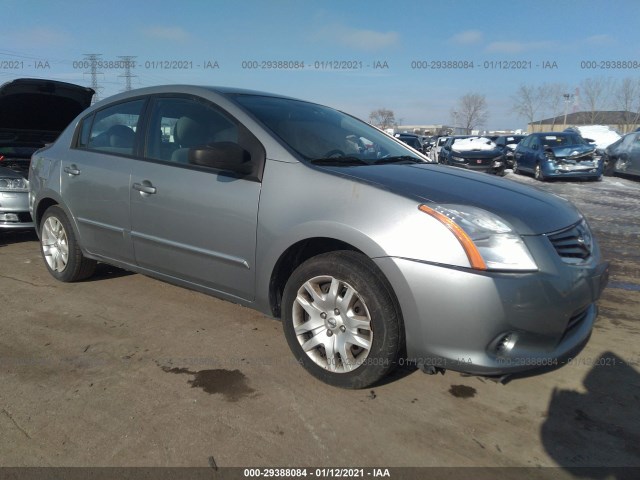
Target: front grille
573,244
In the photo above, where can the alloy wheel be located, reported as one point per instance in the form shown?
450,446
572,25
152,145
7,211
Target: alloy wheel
332,324
55,244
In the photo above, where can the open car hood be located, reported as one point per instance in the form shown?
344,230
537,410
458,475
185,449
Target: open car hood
34,112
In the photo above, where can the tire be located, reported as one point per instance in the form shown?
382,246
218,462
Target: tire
609,168
60,250
538,173
326,294
515,168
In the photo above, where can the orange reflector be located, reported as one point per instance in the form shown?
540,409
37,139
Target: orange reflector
475,259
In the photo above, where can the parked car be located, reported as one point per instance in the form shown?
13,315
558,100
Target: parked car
412,140
623,156
33,112
507,145
557,155
370,257
438,143
473,153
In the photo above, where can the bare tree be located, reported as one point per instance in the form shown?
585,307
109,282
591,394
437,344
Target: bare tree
471,111
595,93
383,118
528,101
626,97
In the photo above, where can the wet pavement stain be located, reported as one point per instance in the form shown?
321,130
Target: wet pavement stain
631,287
230,383
462,391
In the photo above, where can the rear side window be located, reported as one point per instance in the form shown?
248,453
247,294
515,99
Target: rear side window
113,129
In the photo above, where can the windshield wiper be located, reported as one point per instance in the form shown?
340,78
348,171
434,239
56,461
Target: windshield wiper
398,159
338,161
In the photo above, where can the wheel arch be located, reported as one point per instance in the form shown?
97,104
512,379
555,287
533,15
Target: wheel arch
303,250
42,207
293,257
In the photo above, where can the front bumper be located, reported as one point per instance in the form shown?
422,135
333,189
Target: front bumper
495,323
494,167
555,170
14,211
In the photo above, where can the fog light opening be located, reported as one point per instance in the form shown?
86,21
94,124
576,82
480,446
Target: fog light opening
9,217
505,343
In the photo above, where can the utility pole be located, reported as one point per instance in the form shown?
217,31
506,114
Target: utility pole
567,98
128,62
92,58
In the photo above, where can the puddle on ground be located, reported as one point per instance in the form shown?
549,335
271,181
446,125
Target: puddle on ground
631,287
462,391
230,383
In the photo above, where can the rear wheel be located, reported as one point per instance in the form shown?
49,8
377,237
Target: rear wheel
60,250
341,321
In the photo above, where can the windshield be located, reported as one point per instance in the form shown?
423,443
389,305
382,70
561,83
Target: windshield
323,135
563,140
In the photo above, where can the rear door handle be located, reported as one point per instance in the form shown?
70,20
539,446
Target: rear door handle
72,170
145,187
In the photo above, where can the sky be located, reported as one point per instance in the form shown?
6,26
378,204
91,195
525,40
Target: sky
416,58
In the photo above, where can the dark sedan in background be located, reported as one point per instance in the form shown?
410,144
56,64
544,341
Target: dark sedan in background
473,153
507,144
33,112
414,141
557,155
623,156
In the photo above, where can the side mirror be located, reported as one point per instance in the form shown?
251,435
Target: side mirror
226,156
535,147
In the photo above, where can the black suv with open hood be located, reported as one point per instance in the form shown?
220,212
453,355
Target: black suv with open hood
33,113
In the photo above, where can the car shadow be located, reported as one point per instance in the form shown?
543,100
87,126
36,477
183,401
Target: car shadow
17,236
105,271
596,434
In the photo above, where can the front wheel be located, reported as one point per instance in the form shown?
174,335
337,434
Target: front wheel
609,165
341,321
516,168
60,250
538,173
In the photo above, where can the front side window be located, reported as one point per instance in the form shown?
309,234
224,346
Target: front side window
179,124
112,129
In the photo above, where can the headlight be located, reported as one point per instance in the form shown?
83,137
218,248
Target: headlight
489,242
457,159
13,184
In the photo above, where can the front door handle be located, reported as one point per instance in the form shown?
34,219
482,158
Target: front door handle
145,187
72,170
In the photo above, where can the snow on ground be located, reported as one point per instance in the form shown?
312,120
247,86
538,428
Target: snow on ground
601,134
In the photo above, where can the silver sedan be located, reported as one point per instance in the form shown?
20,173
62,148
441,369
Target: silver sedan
370,255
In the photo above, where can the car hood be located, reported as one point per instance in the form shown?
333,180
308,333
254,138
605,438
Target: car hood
529,210
35,111
571,151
